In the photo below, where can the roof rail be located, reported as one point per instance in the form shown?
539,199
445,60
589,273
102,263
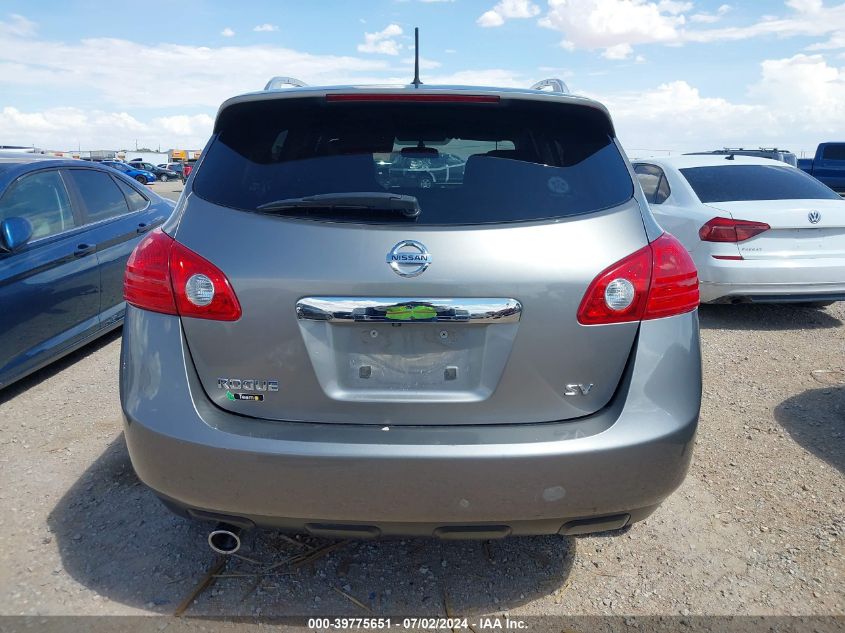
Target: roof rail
557,85
277,82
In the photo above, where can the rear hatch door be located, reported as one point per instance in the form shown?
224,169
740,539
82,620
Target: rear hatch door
486,333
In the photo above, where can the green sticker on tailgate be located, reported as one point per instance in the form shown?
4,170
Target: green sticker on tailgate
411,313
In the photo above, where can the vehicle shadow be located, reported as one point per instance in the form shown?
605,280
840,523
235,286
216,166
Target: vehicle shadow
815,419
24,384
116,539
765,316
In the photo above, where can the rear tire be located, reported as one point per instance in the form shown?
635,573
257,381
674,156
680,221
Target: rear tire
163,178
141,179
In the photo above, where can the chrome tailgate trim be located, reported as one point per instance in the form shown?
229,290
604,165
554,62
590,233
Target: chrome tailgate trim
482,310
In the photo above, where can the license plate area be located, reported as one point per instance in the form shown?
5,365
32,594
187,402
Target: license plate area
410,358
447,352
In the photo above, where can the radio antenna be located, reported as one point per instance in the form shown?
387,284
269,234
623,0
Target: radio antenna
417,81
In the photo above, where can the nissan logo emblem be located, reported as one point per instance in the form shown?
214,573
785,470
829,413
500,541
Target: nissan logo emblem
409,258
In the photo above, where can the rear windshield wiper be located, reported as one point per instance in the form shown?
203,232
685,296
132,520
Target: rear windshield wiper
406,206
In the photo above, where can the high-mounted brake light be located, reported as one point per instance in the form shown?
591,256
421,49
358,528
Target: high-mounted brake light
729,230
412,96
164,276
659,280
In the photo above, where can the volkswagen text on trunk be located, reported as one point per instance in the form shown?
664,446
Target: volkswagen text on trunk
312,346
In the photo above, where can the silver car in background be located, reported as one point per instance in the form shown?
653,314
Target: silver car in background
757,229
310,347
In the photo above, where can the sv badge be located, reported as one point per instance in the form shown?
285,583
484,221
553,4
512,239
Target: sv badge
577,389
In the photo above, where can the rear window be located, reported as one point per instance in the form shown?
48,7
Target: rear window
735,183
834,152
464,163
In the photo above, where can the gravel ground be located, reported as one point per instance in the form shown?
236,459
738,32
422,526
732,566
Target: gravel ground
757,528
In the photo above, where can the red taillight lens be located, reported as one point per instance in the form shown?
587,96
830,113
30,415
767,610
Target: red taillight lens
221,306
164,276
636,268
146,281
664,282
412,97
728,230
674,279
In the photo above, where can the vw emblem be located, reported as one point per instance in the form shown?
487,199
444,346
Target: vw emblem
409,258
814,217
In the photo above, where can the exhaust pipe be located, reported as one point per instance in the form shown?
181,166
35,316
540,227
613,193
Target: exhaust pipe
225,539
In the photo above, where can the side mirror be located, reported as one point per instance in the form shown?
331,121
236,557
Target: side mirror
14,233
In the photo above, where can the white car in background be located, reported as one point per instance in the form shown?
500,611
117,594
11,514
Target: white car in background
758,230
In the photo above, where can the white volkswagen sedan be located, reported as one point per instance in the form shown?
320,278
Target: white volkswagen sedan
758,230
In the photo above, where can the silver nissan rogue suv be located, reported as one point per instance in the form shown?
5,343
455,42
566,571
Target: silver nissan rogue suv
414,310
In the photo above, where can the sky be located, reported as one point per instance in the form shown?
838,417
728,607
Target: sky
677,75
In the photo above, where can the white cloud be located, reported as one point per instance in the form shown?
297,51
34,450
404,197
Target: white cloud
618,51
69,128
806,89
383,42
674,7
806,6
609,24
265,28
613,24
198,126
837,40
710,18
490,18
809,18
227,32
796,103
508,9
169,75
17,25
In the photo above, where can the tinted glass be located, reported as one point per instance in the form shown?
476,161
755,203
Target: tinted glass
834,152
135,200
512,162
42,199
654,183
103,199
755,182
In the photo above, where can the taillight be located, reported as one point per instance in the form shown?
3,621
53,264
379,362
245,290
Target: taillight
659,280
674,280
728,230
164,276
146,281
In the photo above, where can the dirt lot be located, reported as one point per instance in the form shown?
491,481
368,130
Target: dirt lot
757,528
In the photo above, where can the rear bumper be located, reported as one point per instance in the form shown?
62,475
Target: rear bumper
793,279
517,479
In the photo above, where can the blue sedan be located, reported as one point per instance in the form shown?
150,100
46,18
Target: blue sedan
141,175
67,228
